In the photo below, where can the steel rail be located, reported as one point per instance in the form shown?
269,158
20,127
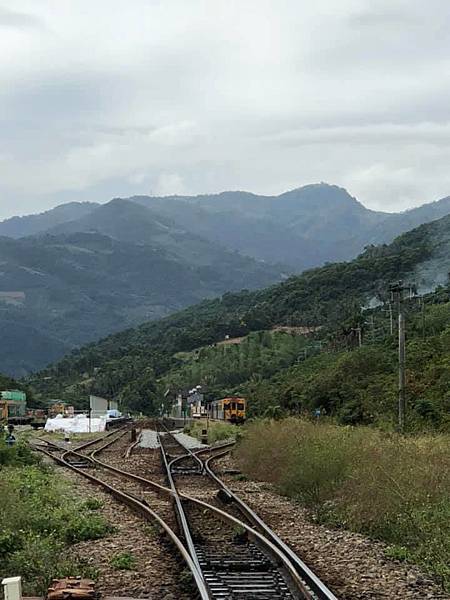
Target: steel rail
310,578
293,565
178,505
253,534
319,588
143,509
131,447
187,451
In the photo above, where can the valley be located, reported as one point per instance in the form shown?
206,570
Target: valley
81,271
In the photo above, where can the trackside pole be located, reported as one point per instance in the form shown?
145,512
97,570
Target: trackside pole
12,587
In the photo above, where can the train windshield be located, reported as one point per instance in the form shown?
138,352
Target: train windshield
240,406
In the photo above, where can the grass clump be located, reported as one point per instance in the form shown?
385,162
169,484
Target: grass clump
123,562
217,431
92,504
393,488
39,518
18,454
84,527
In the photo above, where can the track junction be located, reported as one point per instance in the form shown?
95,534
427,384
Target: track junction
229,550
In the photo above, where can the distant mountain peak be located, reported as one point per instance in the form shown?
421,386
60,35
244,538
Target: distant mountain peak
17,227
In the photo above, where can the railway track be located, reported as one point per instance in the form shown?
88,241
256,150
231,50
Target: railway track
83,464
230,552
242,558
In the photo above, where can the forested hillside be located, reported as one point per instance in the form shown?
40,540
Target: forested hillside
81,271
137,365
301,228
63,290
282,373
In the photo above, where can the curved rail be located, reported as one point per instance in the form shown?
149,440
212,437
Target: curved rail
135,504
294,566
179,507
307,575
318,587
253,534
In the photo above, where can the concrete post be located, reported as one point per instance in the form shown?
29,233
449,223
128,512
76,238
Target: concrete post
12,587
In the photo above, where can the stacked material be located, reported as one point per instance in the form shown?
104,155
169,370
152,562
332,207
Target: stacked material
71,588
77,424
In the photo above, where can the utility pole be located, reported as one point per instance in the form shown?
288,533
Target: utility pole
397,290
422,307
391,320
371,322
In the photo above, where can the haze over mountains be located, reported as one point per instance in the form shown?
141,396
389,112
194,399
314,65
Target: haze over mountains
301,228
129,364
83,270
67,289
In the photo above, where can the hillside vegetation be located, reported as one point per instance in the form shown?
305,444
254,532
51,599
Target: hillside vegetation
7,383
72,288
138,365
390,487
81,271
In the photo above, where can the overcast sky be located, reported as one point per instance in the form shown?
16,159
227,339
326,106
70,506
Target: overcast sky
104,98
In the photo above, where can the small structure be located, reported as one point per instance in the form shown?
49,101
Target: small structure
13,404
196,403
99,406
178,410
12,587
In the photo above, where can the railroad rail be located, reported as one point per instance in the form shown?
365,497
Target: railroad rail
255,564
271,571
74,460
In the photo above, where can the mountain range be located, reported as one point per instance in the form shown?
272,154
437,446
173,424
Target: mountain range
80,271
302,228
73,284
128,365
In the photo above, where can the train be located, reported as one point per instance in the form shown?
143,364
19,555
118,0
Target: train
232,409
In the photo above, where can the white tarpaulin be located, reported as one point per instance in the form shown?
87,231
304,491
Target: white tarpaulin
77,424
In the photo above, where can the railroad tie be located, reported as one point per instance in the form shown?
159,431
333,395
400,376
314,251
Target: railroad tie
244,573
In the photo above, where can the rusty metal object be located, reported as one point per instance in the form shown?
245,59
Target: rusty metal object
72,588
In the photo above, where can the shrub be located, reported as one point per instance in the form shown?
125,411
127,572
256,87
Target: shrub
39,516
92,504
217,431
393,488
81,528
18,454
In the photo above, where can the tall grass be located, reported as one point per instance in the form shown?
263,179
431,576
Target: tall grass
39,517
217,431
393,488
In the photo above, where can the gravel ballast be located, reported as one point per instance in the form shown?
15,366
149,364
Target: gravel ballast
156,569
148,439
354,567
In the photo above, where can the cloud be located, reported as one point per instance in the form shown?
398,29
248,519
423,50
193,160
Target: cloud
169,184
373,133
108,98
19,20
